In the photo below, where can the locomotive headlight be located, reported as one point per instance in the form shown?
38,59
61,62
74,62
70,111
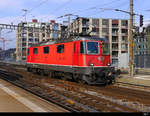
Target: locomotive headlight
110,74
108,64
91,64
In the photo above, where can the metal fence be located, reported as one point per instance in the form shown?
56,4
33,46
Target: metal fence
142,61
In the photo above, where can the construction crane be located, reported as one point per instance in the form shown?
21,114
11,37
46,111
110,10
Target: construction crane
4,41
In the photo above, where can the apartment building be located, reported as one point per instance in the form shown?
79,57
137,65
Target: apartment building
27,36
115,30
142,41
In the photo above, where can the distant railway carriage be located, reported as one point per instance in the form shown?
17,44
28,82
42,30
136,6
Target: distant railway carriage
84,59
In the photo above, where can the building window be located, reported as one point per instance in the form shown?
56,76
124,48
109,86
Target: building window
23,44
139,46
124,30
36,39
95,29
30,40
124,23
95,22
46,50
23,39
54,35
115,61
43,34
23,51
55,27
105,21
30,34
85,22
35,50
60,48
28,51
105,30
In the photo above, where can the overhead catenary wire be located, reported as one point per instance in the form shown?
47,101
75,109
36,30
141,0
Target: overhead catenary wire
29,11
97,6
58,8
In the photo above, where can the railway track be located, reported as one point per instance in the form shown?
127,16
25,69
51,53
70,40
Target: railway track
76,97
69,100
133,86
54,98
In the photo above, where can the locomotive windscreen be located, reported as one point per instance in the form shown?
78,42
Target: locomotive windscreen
92,48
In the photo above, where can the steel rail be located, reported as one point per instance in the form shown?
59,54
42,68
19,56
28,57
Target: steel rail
9,78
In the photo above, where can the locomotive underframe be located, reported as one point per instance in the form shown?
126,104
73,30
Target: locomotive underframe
90,75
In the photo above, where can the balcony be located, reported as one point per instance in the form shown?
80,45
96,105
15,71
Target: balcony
124,49
124,26
85,25
114,40
115,26
105,33
114,33
124,41
114,48
114,56
94,33
124,34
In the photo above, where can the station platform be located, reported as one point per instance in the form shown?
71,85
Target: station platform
139,79
14,99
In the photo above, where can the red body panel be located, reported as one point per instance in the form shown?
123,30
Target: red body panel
70,57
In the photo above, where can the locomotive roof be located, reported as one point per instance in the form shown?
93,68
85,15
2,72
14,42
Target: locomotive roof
50,42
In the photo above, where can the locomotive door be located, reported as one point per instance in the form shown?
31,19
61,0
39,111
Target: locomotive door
76,54
45,54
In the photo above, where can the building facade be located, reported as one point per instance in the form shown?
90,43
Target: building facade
140,44
28,36
142,41
142,48
115,30
8,55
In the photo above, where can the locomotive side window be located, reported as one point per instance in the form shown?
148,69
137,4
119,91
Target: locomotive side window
82,47
35,50
60,48
106,48
46,50
92,48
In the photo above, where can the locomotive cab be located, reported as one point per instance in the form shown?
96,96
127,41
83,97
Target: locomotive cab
96,53
95,61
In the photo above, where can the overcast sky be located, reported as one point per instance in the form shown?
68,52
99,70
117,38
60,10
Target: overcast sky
45,10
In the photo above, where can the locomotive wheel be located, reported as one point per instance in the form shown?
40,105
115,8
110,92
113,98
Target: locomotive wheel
50,75
81,79
34,70
29,69
64,78
40,72
82,82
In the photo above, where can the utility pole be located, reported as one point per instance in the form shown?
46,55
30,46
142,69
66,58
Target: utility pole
69,21
25,10
131,40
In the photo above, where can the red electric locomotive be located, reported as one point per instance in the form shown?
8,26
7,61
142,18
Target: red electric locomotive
81,58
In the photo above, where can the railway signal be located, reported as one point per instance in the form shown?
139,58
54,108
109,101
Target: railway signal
141,20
